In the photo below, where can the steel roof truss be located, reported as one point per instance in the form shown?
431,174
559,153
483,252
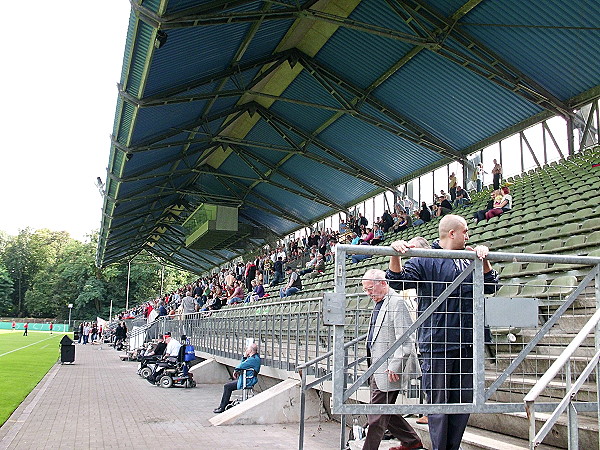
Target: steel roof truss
351,167
485,62
414,134
275,168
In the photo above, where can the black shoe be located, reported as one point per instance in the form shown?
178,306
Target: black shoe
219,410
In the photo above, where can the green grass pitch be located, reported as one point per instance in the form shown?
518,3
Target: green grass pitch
24,360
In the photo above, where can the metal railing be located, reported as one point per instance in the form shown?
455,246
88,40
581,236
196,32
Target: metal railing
292,337
566,403
485,399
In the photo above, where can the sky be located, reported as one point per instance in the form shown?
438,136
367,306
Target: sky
61,65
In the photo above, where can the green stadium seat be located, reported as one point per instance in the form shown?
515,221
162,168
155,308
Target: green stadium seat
533,288
561,286
575,206
590,224
508,290
583,214
535,247
511,270
593,239
553,246
535,268
569,229
574,242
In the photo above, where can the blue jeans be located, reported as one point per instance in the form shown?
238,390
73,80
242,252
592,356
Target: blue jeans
287,292
277,278
358,258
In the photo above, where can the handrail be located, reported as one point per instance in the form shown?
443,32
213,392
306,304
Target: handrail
553,370
467,254
330,353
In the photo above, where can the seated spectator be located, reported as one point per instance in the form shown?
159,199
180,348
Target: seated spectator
462,197
172,348
378,235
237,296
425,213
318,268
388,221
505,204
278,272
245,372
157,350
405,221
355,239
367,236
162,311
258,291
293,285
480,215
444,207
330,253
358,258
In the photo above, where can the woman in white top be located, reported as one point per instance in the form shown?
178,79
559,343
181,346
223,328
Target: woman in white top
504,205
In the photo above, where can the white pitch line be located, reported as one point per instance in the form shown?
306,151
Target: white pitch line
28,345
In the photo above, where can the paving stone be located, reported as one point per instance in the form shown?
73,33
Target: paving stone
101,403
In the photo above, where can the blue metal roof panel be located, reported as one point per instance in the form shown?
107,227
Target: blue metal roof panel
565,61
208,50
175,6
362,59
340,185
379,151
278,224
444,98
297,206
155,119
267,38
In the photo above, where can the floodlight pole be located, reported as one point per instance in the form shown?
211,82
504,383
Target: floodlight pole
162,279
128,276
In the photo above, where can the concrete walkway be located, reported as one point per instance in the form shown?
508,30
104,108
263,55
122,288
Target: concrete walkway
100,402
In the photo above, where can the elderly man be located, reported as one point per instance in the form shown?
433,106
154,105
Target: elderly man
173,346
445,338
245,374
188,303
389,320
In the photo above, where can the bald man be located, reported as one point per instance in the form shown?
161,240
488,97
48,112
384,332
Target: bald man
445,338
245,374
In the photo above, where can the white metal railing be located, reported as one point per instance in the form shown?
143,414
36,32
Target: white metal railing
564,359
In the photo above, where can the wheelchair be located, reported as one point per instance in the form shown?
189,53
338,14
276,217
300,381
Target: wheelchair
172,372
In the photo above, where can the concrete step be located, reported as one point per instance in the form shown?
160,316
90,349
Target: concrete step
517,425
514,390
534,364
554,337
473,439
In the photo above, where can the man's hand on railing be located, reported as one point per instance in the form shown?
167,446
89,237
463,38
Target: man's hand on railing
481,250
401,246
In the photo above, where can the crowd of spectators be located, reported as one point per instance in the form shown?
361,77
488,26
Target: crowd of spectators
308,256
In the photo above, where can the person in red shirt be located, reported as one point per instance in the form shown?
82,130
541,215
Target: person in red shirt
51,327
25,327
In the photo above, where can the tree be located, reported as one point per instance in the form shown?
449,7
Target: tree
6,290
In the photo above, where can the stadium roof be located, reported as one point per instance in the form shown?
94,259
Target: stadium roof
293,110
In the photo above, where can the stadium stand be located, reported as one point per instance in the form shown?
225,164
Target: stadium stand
543,221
